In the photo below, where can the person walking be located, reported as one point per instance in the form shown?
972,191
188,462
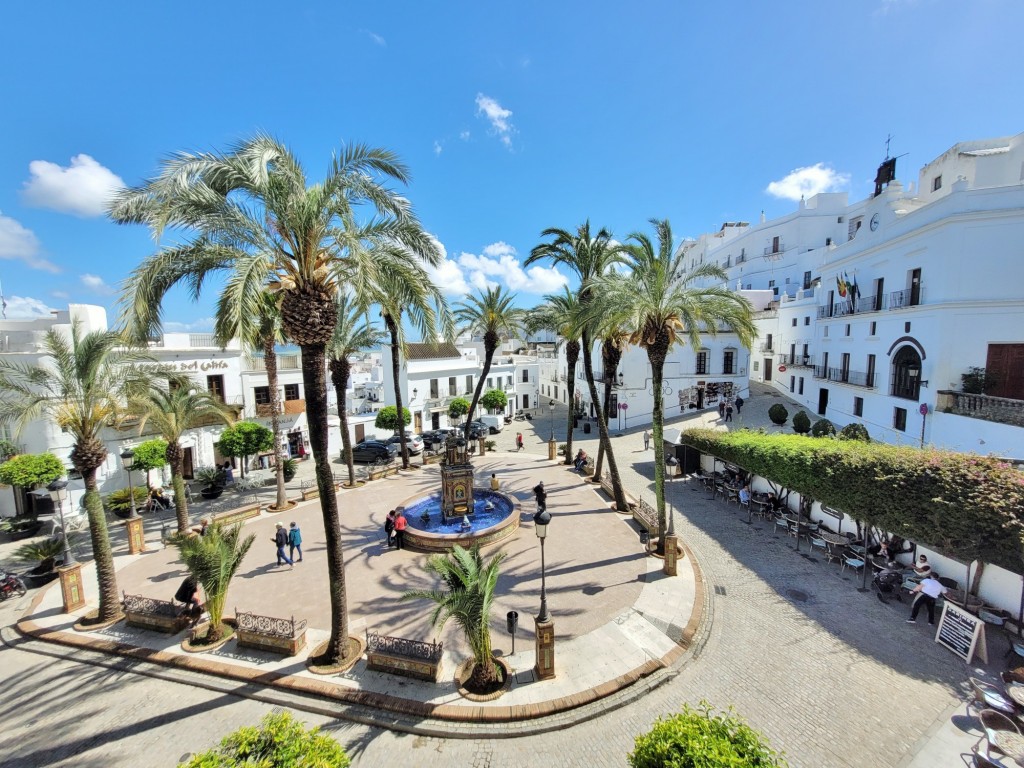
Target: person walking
281,541
400,525
519,441
721,409
928,591
294,541
647,439
739,405
389,528
541,496
728,411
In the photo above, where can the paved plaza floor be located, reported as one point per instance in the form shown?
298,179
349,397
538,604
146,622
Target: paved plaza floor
831,675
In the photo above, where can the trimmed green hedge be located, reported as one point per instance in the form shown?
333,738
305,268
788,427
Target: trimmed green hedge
964,505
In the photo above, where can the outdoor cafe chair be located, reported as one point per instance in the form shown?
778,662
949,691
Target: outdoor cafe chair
852,562
993,723
782,525
833,552
987,696
1015,641
820,545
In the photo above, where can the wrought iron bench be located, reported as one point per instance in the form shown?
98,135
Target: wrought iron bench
268,633
400,656
150,613
239,515
647,517
606,486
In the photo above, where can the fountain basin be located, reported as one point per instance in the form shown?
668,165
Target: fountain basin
487,526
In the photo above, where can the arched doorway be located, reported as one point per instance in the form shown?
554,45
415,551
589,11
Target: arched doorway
906,373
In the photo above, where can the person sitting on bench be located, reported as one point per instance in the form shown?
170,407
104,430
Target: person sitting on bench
188,595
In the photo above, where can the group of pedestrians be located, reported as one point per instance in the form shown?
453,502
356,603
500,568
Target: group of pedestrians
291,538
394,527
726,406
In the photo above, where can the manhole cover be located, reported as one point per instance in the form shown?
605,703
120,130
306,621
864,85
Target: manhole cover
798,595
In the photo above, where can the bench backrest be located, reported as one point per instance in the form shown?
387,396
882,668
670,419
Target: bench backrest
148,605
400,646
269,625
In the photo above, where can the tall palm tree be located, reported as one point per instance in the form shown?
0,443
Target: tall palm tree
561,314
662,306
252,214
588,257
261,330
612,343
81,385
408,292
467,595
351,334
171,410
489,314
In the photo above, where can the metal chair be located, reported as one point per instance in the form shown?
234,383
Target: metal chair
993,723
782,524
987,696
833,552
820,545
851,562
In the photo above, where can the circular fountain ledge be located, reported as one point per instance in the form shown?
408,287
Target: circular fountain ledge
436,536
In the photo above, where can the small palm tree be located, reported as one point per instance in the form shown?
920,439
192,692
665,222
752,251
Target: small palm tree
561,314
489,314
81,385
171,410
213,559
351,334
660,304
466,595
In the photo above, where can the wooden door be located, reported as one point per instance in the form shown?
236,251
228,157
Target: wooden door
418,423
360,433
767,369
1006,365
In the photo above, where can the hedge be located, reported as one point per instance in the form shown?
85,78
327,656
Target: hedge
962,504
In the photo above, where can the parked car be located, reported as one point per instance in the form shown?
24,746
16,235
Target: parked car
478,429
413,442
496,422
373,450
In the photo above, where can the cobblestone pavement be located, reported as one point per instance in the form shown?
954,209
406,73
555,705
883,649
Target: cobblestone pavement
832,676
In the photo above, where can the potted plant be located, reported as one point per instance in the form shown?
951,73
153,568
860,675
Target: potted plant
119,501
20,527
43,556
212,479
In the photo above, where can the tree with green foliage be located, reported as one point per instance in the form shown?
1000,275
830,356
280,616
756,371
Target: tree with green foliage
280,741
251,220
31,470
855,431
245,439
778,414
387,418
701,738
801,423
457,408
119,501
466,595
213,559
171,408
351,335
588,257
977,381
488,313
658,300
561,314
494,400
823,428
151,454
80,384
7,450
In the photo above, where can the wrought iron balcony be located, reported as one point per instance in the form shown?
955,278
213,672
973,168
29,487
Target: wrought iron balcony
767,347
796,361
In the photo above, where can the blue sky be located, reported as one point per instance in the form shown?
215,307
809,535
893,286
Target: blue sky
513,117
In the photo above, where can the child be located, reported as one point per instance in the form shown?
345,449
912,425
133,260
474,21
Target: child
389,528
294,541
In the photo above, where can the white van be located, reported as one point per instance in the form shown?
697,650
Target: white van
494,422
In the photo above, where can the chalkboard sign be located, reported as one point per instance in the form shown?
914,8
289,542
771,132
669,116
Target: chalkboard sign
962,632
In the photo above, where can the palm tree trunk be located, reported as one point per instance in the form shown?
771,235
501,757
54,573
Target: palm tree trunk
656,353
315,384
490,345
602,427
610,357
173,455
393,330
339,377
110,602
270,363
572,356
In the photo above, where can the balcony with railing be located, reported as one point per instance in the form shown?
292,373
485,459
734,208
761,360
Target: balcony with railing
845,376
1001,410
796,361
767,348
775,249
864,304
284,363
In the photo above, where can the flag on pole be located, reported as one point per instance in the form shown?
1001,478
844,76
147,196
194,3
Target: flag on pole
3,302
841,285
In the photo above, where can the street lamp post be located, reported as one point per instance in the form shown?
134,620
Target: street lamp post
58,492
128,460
551,413
545,651
671,541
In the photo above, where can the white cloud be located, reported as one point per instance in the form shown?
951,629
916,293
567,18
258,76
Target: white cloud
95,283
19,242
438,148
201,325
805,182
498,117
499,263
25,307
83,188
60,294
464,135
376,38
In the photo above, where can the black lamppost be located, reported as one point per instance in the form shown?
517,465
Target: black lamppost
540,527
58,492
551,419
671,462
128,459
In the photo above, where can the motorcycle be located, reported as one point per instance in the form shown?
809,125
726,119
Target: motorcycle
11,585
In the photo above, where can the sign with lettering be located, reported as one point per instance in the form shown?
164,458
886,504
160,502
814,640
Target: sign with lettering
195,365
831,512
962,632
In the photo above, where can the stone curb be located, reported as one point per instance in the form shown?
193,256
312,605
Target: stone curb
408,715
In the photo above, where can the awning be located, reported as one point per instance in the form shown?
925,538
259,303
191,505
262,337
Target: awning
673,436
